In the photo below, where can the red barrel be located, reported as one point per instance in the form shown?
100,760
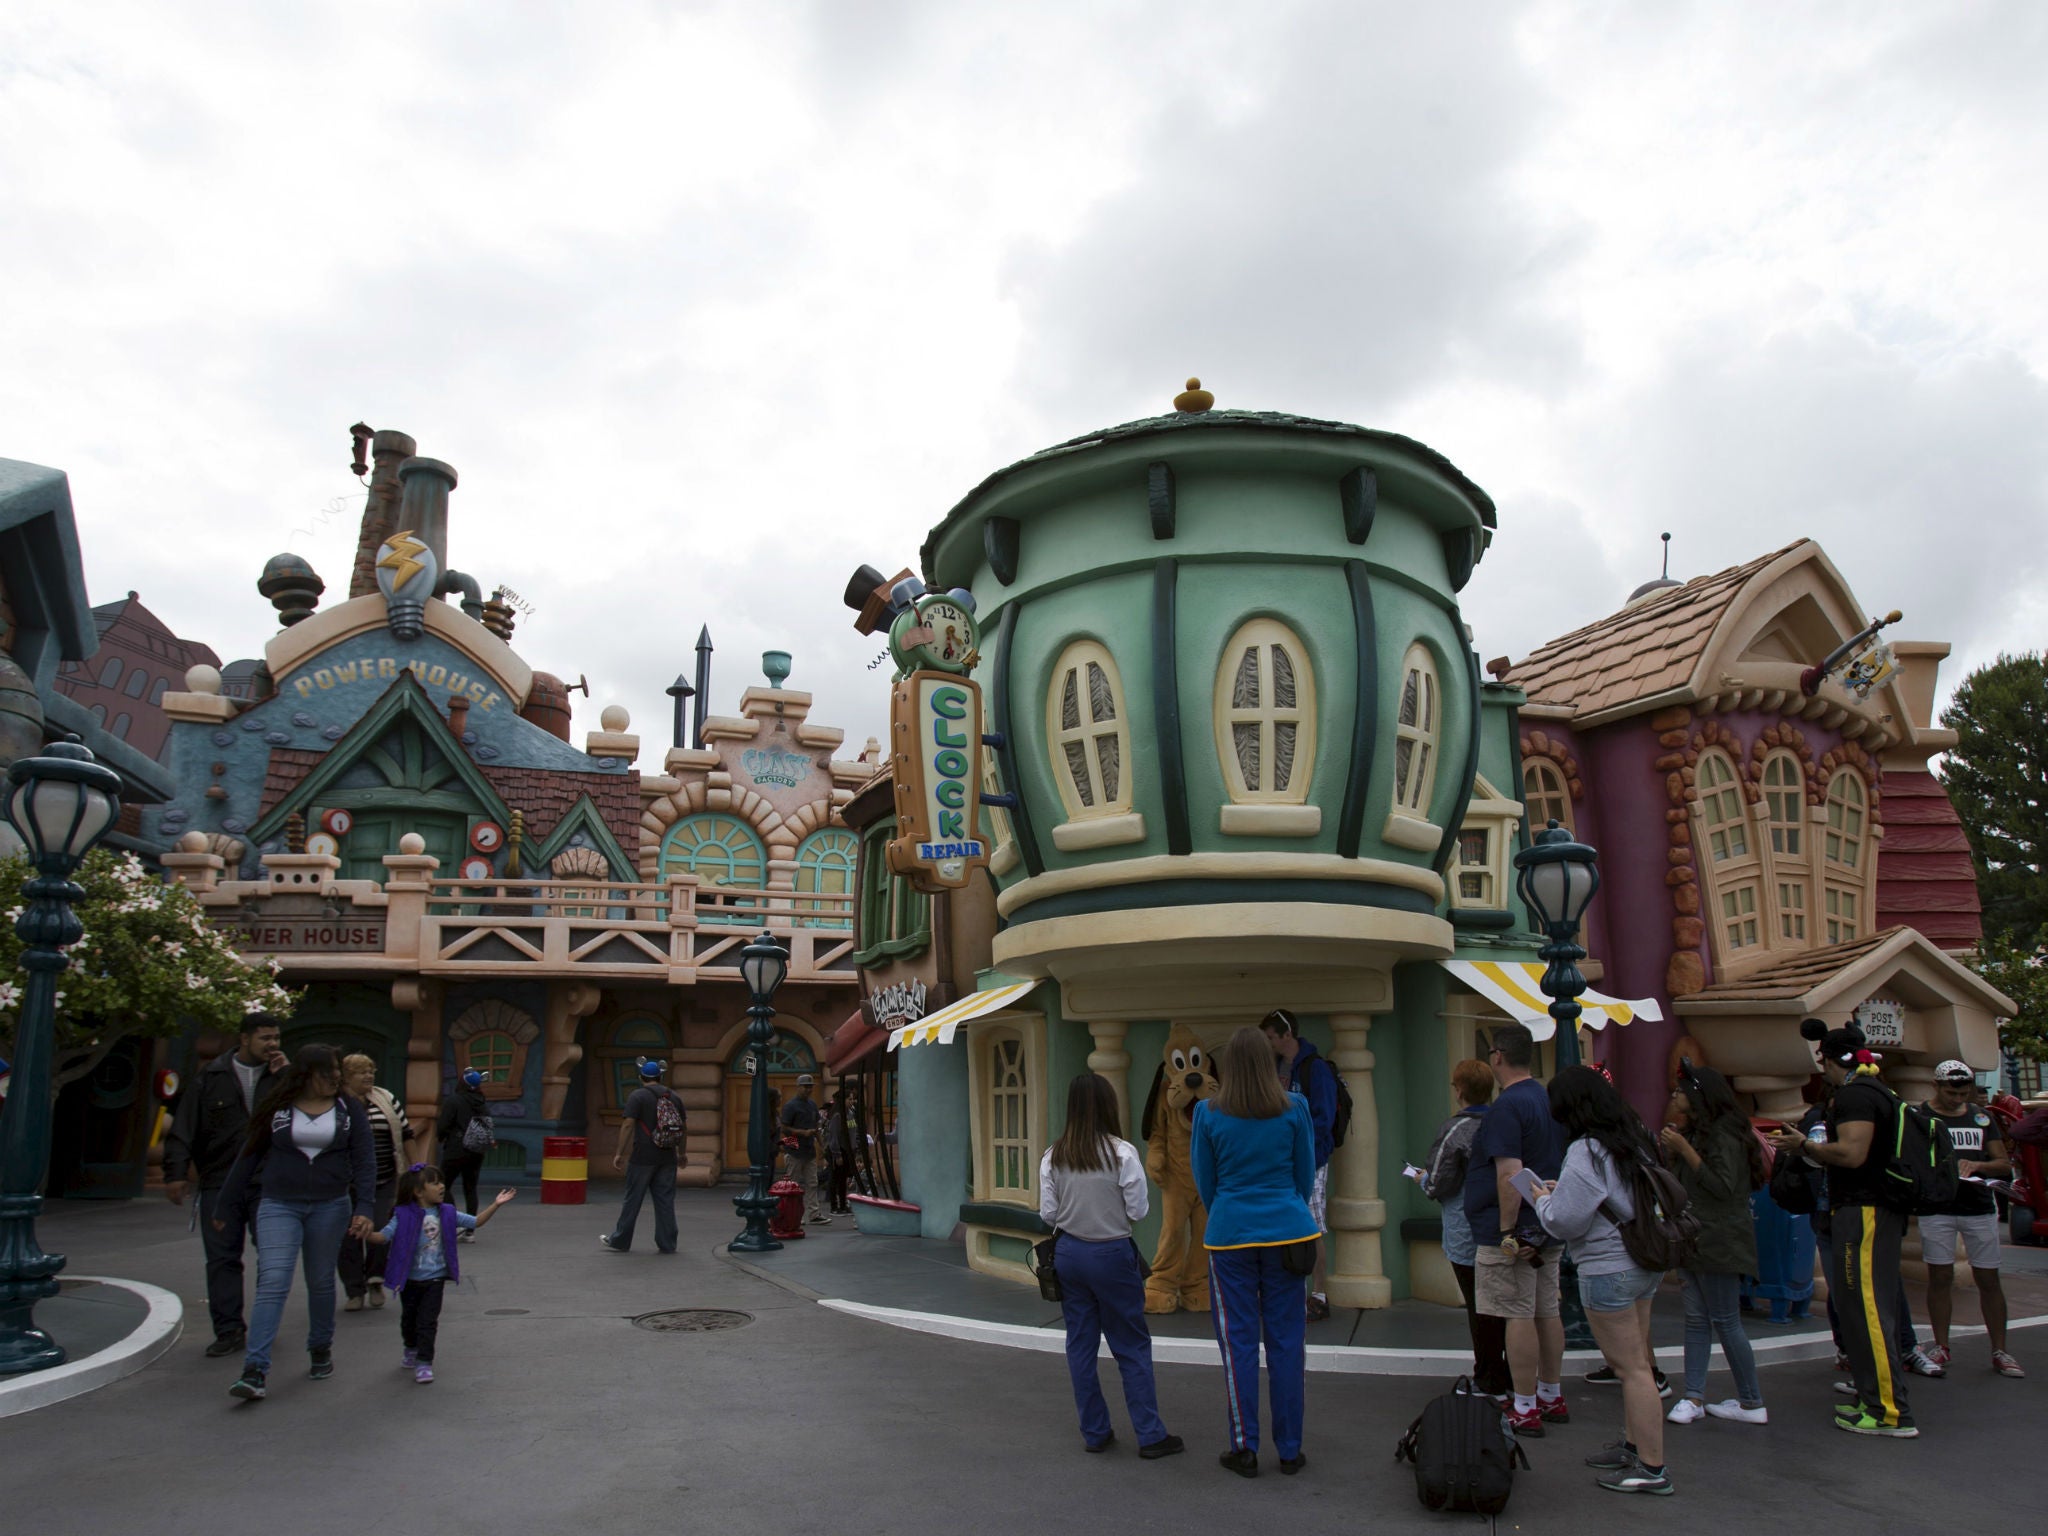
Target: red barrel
564,1170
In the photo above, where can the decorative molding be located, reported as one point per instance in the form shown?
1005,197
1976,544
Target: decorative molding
1359,494
999,545
1159,498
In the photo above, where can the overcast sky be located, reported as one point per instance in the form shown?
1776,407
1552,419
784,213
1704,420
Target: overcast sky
710,303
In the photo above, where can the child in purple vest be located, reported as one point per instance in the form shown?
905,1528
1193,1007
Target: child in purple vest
422,1261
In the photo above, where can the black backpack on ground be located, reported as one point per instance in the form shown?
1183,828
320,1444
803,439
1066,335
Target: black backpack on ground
1463,1454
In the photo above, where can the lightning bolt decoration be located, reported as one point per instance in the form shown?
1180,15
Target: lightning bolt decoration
406,573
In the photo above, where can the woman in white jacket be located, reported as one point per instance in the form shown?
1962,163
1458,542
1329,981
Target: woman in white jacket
1091,1187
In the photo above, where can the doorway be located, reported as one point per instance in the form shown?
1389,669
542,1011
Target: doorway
788,1059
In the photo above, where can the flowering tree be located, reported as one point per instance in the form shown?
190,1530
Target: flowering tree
149,964
2021,973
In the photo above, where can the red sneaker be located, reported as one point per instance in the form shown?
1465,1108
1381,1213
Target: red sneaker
1553,1410
1527,1426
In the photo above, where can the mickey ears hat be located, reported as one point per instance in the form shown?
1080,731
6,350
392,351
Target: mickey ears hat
473,1078
650,1069
1837,1045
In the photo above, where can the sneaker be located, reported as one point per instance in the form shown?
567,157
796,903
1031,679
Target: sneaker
424,1374
1921,1363
2004,1364
1166,1445
1637,1478
1938,1353
249,1388
821,1221
1685,1411
409,1359
323,1364
1527,1426
1863,1423
1605,1377
227,1344
1731,1408
1616,1457
465,1237
605,1242
376,1295
353,1304
1554,1410
1845,1389
1318,1308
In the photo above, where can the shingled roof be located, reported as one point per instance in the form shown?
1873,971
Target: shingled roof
1795,975
1924,875
1640,652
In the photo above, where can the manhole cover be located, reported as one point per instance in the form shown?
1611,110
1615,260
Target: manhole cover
692,1320
505,1311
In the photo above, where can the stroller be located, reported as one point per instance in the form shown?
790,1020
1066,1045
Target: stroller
2026,1137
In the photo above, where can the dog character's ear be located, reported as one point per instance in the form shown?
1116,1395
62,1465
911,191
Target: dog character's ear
1152,1103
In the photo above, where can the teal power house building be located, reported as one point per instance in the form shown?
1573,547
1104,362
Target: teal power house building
1254,766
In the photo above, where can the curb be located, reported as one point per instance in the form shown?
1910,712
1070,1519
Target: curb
1333,1359
155,1334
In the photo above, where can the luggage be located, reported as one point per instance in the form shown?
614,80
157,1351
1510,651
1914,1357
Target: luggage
1463,1453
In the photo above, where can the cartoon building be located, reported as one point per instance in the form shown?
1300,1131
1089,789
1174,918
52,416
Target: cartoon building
399,820
139,660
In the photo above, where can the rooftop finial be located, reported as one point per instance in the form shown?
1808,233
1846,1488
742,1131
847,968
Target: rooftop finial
1667,557
1663,583
1194,399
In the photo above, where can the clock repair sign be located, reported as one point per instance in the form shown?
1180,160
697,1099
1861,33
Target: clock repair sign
935,737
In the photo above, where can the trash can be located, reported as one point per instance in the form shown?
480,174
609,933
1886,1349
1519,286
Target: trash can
1784,1259
564,1170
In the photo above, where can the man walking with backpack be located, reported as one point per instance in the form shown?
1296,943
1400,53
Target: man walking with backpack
1863,1255
1305,1071
650,1150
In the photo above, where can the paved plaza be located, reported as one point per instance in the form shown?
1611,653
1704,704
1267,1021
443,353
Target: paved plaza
553,1412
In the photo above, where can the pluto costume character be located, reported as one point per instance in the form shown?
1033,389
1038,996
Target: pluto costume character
1180,1267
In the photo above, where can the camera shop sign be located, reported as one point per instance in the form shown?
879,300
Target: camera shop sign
310,935
935,739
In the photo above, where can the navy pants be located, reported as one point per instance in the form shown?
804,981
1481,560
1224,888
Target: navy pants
1105,1298
1255,1299
642,1180
223,1261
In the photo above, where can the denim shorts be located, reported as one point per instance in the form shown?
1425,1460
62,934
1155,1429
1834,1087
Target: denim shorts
1620,1291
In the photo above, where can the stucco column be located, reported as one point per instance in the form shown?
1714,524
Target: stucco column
1777,1098
568,1004
421,999
1356,1212
1109,1059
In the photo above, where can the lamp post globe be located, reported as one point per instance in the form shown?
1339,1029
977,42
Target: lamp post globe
763,964
1556,876
59,805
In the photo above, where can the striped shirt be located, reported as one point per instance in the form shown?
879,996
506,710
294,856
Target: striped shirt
380,1138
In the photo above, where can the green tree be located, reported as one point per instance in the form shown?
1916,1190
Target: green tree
2022,975
149,964
1997,778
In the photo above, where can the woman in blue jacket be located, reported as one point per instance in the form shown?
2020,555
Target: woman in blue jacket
1253,1148
310,1152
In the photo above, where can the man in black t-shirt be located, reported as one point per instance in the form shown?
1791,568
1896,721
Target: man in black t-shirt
800,1145
1863,1258
1971,1219
650,1169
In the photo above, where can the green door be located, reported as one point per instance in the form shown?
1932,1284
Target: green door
376,833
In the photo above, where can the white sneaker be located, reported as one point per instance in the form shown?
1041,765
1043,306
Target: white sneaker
1732,1409
1845,1389
1685,1411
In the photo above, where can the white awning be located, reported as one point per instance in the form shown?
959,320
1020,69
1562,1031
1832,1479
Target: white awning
940,1026
1516,988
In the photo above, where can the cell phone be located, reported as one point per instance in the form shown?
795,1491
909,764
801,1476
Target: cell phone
1526,1182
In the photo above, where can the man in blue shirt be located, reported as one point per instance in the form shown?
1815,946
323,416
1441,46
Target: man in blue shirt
1516,1262
1306,1072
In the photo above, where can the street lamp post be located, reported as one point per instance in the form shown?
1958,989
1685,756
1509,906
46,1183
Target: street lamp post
61,804
763,963
1557,878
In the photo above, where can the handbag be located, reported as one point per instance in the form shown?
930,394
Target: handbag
1300,1258
1044,1257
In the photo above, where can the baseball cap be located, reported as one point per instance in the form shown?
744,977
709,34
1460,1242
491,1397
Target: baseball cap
473,1078
650,1069
1954,1072
806,1081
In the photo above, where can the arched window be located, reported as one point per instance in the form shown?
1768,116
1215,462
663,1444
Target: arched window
1415,733
120,727
724,854
1846,801
1089,733
1721,806
156,694
1265,715
99,714
825,863
110,674
632,1038
1785,804
787,1055
1545,795
137,681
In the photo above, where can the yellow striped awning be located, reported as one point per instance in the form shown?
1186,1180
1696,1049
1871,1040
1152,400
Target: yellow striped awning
940,1026
1516,988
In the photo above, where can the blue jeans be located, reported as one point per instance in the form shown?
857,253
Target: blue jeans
286,1232
1713,1308
1105,1298
1254,1297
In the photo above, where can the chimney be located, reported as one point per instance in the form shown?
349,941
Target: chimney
423,506
380,511
458,714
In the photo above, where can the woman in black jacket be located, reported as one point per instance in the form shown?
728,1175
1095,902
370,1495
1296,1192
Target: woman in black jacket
309,1150
1708,1143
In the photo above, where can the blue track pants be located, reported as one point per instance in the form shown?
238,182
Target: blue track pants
1105,1298
1254,1298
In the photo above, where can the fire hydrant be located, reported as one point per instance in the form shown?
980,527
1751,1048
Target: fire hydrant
788,1220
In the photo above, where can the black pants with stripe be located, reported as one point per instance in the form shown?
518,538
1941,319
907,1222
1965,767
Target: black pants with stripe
1863,1276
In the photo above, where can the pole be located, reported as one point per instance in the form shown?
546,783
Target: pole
756,1205
703,687
27,1274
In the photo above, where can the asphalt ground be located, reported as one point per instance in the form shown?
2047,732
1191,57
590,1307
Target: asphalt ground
553,1412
